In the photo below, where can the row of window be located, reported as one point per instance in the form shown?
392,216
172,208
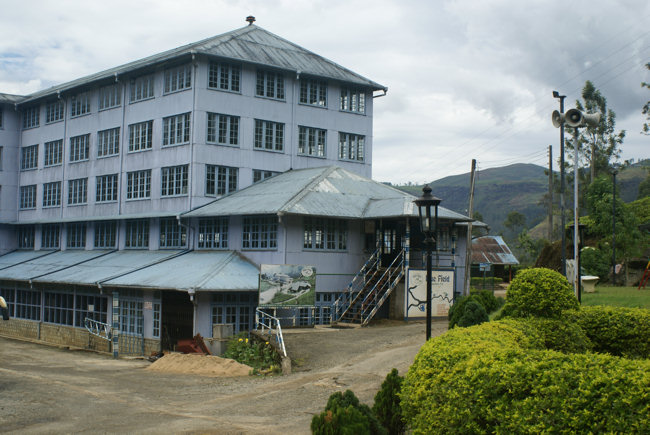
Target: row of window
258,232
221,76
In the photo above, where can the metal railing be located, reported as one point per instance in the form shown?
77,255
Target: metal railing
266,321
99,329
356,285
382,288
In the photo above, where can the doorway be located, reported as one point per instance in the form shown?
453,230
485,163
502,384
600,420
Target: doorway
177,318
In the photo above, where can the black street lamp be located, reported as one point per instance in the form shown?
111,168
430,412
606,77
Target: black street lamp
614,172
429,227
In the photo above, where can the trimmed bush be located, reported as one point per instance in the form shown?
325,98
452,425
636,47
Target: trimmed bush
473,314
459,309
559,334
539,292
344,414
497,377
387,404
488,300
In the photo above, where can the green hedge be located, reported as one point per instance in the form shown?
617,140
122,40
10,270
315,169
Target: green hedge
500,377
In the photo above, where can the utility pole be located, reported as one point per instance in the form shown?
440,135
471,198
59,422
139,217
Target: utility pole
468,254
557,95
550,193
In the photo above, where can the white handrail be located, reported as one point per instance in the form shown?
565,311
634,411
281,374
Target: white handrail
266,321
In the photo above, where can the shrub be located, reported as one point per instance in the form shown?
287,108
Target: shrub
387,404
539,292
259,355
473,314
498,378
344,414
488,300
560,335
460,307
595,262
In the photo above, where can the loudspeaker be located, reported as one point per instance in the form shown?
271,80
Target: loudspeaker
557,118
575,118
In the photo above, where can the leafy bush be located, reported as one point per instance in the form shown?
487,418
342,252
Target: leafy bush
595,262
459,310
261,356
473,314
345,414
559,334
618,331
498,377
488,300
539,292
387,404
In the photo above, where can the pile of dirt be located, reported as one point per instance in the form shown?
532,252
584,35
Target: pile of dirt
205,365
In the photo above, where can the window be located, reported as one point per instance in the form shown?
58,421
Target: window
80,105
79,148
260,233
29,157
224,76
176,129
50,236
138,184
353,100
53,111
174,180
93,306
140,136
58,308
223,129
137,234
172,235
351,146
77,191
28,304
269,135
325,234
108,142
177,79
110,96
52,194
156,318
220,180
106,188
313,92
53,152
141,88
105,234
27,197
259,175
130,312
31,117
26,236
76,236
213,233
235,309
270,84
311,141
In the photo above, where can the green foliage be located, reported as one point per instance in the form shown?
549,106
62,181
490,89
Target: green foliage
498,377
261,356
595,262
539,292
344,414
473,309
618,331
628,297
473,314
488,300
644,188
387,404
560,335
477,281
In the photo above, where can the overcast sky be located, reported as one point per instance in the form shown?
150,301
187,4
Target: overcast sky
466,79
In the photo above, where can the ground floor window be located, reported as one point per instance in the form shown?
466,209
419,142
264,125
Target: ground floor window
22,303
131,304
71,307
237,309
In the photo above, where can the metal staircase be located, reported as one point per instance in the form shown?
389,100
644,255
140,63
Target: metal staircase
368,290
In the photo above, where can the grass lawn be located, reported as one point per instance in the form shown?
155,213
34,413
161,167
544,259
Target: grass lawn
618,297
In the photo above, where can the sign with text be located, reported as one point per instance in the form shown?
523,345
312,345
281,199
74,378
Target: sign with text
287,285
442,293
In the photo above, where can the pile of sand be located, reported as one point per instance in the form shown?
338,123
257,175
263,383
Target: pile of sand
205,365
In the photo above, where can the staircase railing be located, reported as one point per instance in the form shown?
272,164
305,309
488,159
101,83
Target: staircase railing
99,329
266,321
357,284
384,286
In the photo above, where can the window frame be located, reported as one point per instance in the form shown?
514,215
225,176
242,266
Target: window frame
80,104
142,88
26,236
109,97
349,145
268,130
138,185
27,197
53,153
136,234
108,142
213,233
29,157
176,129
31,117
221,125
78,191
352,100
105,232
138,136
325,234
54,111
52,194
50,236
75,235
172,234
270,84
307,147
106,185
79,148
262,174
217,81
259,233
221,180
313,92
177,79
174,181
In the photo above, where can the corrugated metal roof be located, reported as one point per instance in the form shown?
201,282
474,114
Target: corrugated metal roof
45,264
195,271
250,44
10,98
15,257
493,250
145,215
327,191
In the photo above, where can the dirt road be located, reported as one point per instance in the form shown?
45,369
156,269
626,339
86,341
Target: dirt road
51,390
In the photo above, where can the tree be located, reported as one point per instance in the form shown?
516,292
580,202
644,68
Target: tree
646,108
515,221
644,188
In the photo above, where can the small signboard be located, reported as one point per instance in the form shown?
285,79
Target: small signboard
287,285
442,293
484,267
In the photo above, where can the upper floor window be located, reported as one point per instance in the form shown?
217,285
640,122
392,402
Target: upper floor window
325,234
141,88
105,234
79,148
174,180
311,141
177,79
220,180
50,234
108,142
110,96
140,136
172,234
77,191
26,237
31,117
53,153
137,234
269,135
52,194
224,76
260,232
213,233
270,84
29,157
351,146
176,129
313,92
353,100
80,104
223,129
106,188
260,174
76,236
138,184
53,111
27,197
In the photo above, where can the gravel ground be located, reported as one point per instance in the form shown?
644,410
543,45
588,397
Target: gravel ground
47,389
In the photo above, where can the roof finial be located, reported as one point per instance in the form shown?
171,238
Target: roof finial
250,19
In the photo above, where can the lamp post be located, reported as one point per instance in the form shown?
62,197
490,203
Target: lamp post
557,95
428,226
614,172
580,234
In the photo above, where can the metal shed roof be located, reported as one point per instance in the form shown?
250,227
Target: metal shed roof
45,264
326,191
16,257
493,250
